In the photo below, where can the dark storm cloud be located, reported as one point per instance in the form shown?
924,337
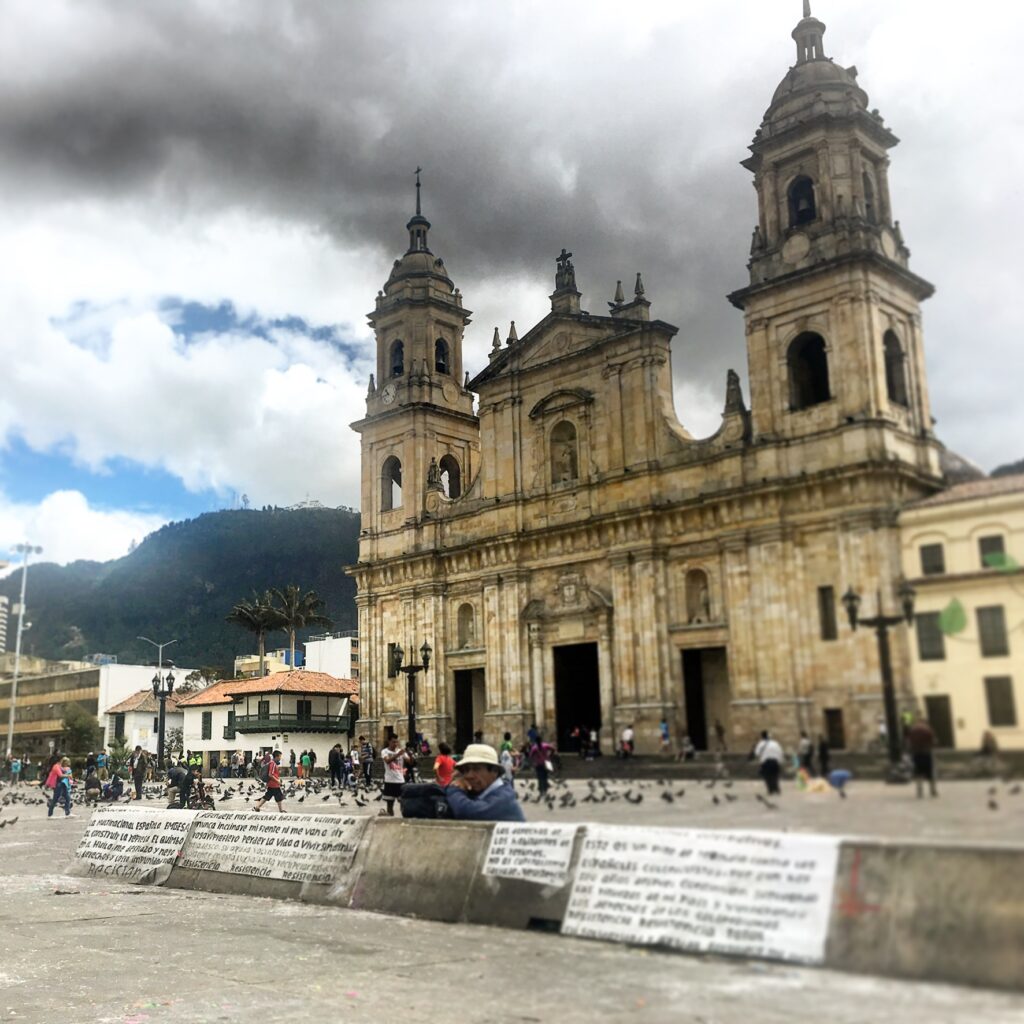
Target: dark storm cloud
319,112
538,126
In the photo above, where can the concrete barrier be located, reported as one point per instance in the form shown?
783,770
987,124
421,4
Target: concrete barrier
950,913
947,912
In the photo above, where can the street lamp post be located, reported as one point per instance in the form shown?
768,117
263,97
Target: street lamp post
163,687
25,550
411,672
881,625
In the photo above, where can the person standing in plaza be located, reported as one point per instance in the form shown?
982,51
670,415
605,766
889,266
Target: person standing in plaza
394,758
354,760
273,785
15,770
921,743
769,756
101,765
291,763
824,757
334,761
666,736
444,765
627,740
366,755
63,780
138,764
312,763
306,771
805,752
539,756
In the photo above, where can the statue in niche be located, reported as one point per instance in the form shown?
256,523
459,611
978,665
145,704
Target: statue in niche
434,476
567,463
698,597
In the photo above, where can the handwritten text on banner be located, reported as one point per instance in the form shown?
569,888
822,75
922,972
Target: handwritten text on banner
760,894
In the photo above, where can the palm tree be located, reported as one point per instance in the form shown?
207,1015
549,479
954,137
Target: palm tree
259,616
297,610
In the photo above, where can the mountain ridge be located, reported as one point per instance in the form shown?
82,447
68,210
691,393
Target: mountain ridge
181,582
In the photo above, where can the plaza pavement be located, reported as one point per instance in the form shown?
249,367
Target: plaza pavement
96,950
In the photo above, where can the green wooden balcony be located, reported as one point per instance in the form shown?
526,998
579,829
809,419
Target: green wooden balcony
288,723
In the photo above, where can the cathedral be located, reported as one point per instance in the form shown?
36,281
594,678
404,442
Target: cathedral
575,558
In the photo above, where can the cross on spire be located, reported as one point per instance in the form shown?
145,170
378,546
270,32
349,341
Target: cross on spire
418,170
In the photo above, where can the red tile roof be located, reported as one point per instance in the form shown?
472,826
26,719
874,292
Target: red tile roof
215,693
298,681
989,487
144,701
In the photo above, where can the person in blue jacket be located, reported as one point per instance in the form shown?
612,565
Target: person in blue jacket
479,792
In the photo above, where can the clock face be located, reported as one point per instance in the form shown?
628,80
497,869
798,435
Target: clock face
450,392
388,394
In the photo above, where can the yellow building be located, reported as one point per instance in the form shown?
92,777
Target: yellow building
575,557
962,550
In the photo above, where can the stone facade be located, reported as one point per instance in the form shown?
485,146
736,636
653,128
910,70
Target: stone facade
576,557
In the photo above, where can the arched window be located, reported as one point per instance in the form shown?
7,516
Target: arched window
870,211
564,453
895,372
808,371
397,359
698,596
467,625
451,477
391,484
802,207
442,356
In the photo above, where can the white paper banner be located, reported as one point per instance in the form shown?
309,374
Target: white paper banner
136,845
536,853
759,894
293,847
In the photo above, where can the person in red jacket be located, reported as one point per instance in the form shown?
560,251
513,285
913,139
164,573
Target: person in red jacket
273,784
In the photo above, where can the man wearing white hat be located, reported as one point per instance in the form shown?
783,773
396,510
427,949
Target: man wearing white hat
478,792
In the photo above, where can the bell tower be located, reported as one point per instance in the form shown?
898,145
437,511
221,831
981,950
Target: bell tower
419,436
832,308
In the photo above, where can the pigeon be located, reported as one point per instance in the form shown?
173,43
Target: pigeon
638,799
328,797
731,797
667,797
680,792
1014,790
715,800
993,806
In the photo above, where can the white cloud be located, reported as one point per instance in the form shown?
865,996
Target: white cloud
66,527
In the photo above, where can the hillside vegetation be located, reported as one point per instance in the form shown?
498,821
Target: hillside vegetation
182,581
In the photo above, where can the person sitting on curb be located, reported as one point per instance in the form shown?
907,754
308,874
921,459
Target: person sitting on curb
479,793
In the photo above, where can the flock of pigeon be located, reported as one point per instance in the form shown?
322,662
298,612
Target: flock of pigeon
600,792
558,795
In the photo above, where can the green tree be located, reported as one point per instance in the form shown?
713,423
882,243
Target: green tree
258,616
81,730
297,611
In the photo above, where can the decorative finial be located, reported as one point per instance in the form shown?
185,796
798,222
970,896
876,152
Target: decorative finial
807,8
638,291
512,336
418,170
620,295
496,342
371,390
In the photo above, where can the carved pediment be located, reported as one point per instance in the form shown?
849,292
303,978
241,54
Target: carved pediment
572,595
561,400
544,349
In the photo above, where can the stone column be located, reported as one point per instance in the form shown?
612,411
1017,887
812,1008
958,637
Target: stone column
607,683
536,642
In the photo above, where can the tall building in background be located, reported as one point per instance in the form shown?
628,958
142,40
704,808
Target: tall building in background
575,557
4,605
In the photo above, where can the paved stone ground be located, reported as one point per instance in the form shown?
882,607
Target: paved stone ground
80,950
960,813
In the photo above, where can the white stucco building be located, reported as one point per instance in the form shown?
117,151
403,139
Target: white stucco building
298,711
137,719
337,654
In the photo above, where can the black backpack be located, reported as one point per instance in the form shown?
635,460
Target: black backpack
424,800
